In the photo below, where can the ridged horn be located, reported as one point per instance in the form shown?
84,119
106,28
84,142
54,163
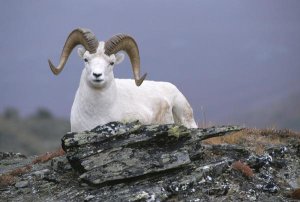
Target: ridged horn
123,42
78,36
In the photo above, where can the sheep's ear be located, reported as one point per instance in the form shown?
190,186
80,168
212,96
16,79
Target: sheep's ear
81,52
119,58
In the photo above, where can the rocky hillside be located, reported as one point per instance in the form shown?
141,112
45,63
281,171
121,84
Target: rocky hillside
134,162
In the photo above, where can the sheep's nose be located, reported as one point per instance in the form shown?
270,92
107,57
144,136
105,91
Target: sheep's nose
97,75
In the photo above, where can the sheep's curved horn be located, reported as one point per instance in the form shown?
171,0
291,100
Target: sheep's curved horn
126,43
78,36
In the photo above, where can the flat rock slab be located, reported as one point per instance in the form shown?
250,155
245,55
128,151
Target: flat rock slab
118,151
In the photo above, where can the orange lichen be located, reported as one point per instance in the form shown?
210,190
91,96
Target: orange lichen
243,168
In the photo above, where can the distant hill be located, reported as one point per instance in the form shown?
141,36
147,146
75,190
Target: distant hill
32,135
284,113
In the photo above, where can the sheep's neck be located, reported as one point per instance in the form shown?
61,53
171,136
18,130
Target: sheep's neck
97,100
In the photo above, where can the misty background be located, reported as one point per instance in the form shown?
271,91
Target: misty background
237,62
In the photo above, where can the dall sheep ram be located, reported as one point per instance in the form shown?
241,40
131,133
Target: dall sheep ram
101,98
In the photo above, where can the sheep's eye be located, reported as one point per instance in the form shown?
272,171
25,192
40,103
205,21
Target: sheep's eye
112,63
85,60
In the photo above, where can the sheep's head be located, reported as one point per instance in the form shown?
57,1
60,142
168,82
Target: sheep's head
100,57
99,66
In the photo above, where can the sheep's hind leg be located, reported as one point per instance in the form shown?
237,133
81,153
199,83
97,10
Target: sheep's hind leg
183,112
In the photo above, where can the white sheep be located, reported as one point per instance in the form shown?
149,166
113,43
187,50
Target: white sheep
101,98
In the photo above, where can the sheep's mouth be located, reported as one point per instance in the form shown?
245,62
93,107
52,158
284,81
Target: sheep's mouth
97,80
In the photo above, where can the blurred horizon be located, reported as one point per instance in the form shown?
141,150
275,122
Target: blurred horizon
237,62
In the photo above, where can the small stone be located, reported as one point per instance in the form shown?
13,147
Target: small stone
21,184
270,187
84,184
26,190
141,196
89,197
41,173
60,164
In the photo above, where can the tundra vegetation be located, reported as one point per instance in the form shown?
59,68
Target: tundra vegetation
165,162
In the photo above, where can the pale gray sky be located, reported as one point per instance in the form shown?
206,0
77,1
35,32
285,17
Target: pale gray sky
231,57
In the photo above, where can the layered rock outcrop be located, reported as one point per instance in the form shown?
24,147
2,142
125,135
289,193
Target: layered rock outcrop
134,162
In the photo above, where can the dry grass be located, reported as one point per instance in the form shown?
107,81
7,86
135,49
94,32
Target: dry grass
243,168
296,194
20,171
48,156
257,140
233,138
8,179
